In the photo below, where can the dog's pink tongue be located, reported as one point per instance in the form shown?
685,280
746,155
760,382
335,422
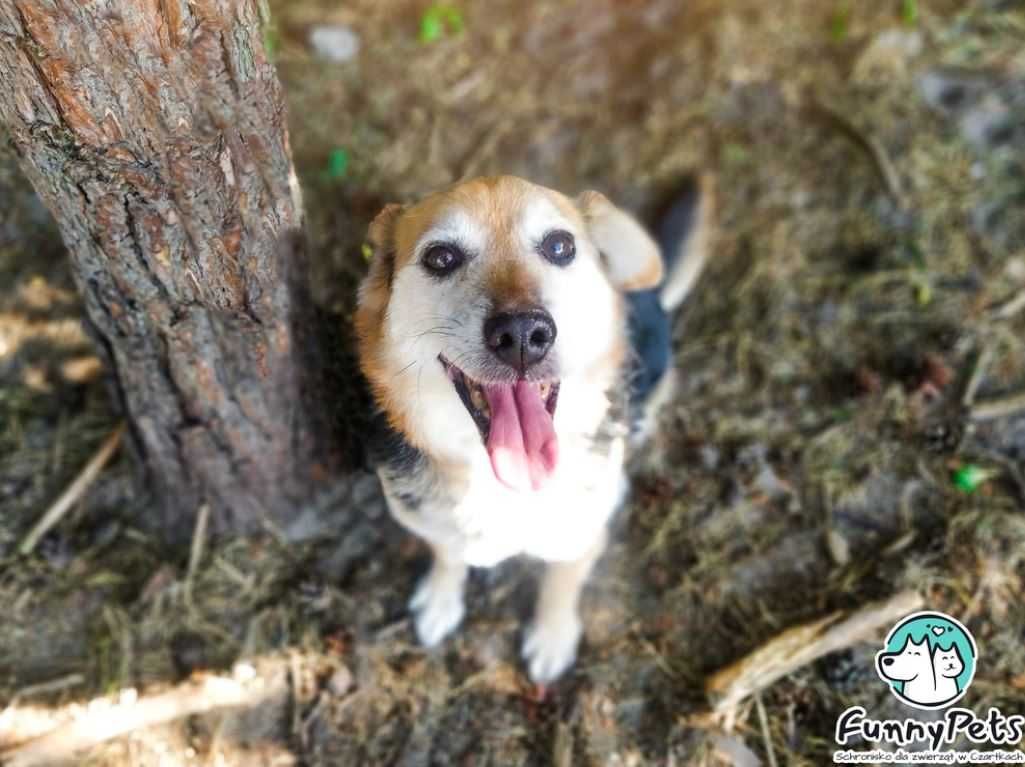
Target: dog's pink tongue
522,444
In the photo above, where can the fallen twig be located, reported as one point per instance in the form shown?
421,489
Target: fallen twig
196,549
74,491
104,720
999,407
763,721
975,380
1011,307
43,688
869,144
797,647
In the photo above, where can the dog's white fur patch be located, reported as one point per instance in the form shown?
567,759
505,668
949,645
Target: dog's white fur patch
437,603
456,226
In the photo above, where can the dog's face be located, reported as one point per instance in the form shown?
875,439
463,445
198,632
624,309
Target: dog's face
912,661
491,304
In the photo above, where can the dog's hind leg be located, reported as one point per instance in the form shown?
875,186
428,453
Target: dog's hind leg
550,645
437,604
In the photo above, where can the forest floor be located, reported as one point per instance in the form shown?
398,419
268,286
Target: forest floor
850,423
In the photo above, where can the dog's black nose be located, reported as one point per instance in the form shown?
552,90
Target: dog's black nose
520,339
887,661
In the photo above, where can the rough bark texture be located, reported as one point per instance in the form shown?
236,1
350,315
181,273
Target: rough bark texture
155,132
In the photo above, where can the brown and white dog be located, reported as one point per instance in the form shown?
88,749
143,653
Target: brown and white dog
493,333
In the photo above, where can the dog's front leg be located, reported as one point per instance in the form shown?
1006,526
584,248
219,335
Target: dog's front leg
437,603
550,646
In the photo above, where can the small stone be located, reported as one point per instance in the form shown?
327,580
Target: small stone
710,456
839,548
1015,269
888,55
987,126
335,42
488,650
341,682
950,90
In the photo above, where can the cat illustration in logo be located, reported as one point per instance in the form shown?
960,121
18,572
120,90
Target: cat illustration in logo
928,660
947,667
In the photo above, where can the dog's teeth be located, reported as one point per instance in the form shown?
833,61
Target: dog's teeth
477,398
544,389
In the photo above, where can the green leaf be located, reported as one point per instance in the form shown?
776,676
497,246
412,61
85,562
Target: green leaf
337,164
970,477
271,40
923,292
839,25
909,11
454,19
431,28
439,19
735,154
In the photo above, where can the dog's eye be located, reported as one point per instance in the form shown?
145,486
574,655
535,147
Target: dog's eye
442,260
558,247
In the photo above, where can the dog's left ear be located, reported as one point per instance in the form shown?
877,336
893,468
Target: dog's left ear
632,259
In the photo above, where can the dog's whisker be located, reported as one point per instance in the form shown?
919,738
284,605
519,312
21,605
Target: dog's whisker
435,329
460,359
418,376
407,367
439,329
421,337
443,318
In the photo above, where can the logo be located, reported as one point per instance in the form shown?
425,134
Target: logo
928,660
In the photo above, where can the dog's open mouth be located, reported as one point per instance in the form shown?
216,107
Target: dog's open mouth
515,424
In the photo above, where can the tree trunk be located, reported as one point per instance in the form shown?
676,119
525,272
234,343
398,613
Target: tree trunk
154,130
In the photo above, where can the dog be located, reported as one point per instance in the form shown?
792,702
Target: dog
504,331
929,677
913,666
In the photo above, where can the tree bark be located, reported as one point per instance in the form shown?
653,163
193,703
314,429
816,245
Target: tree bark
154,131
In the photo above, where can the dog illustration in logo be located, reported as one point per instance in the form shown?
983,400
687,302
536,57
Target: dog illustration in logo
928,660
912,665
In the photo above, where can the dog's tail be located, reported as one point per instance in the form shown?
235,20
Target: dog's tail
684,233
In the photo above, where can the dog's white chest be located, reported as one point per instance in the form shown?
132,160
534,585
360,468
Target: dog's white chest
489,522
555,524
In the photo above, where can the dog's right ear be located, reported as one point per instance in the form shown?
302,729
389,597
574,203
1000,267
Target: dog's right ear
373,293
381,237
375,290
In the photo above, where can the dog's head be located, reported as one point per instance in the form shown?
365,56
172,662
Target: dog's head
910,662
493,306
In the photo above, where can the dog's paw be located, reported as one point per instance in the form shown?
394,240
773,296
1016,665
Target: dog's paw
437,606
550,647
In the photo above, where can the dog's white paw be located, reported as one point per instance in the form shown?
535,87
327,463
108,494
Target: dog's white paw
550,647
437,606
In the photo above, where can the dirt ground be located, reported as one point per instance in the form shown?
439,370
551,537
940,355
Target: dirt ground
850,422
